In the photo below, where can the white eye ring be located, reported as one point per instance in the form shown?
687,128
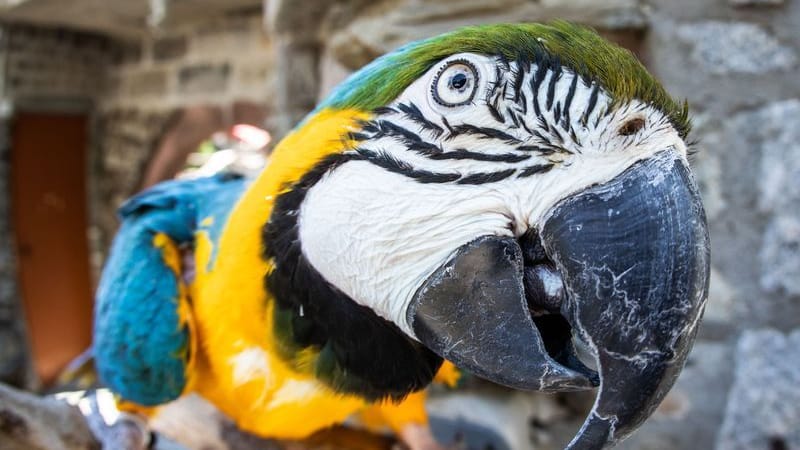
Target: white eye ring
455,84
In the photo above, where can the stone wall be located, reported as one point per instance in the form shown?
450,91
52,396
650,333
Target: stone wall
222,63
43,69
15,364
133,92
737,64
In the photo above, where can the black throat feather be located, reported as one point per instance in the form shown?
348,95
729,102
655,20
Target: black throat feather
358,352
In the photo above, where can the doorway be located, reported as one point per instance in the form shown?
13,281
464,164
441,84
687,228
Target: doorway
49,214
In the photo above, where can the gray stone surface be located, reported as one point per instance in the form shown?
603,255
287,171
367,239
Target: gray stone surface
144,83
736,47
15,361
780,255
170,47
763,411
777,127
755,2
203,78
774,133
28,422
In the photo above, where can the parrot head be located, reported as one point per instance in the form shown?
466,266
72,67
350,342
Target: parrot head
503,195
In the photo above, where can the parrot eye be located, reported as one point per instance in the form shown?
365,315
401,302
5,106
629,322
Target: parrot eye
455,84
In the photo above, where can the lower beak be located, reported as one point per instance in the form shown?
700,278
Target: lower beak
630,262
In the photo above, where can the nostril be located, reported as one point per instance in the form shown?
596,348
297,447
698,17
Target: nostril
532,249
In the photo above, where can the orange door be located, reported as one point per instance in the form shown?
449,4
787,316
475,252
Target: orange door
48,184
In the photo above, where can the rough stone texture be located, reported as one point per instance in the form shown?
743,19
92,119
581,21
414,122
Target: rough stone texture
763,410
54,63
760,147
203,78
15,363
32,423
125,141
756,2
143,83
777,127
169,48
722,48
127,19
780,255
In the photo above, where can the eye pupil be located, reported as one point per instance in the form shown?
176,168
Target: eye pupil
458,81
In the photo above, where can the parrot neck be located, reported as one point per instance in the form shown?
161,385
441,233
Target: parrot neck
358,352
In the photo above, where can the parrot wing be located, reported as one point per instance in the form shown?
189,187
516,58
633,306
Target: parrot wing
143,336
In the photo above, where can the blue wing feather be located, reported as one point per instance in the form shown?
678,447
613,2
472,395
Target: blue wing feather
140,345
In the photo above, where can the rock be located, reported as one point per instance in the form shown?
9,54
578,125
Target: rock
721,299
145,83
763,409
171,47
755,2
777,127
780,256
203,78
776,131
724,48
28,422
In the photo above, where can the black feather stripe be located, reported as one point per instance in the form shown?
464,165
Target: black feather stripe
533,170
481,132
489,177
570,95
359,353
385,161
555,75
477,156
591,104
412,112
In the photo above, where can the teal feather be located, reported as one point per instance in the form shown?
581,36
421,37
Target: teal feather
140,348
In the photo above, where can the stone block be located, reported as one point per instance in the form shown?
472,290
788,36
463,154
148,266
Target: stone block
780,255
774,133
724,48
756,2
240,34
143,83
204,78
707,164
253,74
763,407
777,127
168,48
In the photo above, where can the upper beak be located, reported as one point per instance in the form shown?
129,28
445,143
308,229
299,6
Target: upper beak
623,268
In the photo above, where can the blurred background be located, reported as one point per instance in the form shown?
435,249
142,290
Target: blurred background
100,99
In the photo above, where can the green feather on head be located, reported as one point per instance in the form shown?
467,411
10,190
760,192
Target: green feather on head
576,47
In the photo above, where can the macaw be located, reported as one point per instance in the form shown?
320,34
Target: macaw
498,197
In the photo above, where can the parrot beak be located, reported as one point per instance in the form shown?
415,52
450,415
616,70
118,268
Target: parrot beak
623,268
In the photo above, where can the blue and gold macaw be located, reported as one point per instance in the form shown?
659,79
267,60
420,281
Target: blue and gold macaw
492,196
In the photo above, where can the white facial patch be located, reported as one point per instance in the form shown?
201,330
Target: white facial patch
377,235
436,173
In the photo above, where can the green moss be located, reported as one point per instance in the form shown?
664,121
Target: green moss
579,48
